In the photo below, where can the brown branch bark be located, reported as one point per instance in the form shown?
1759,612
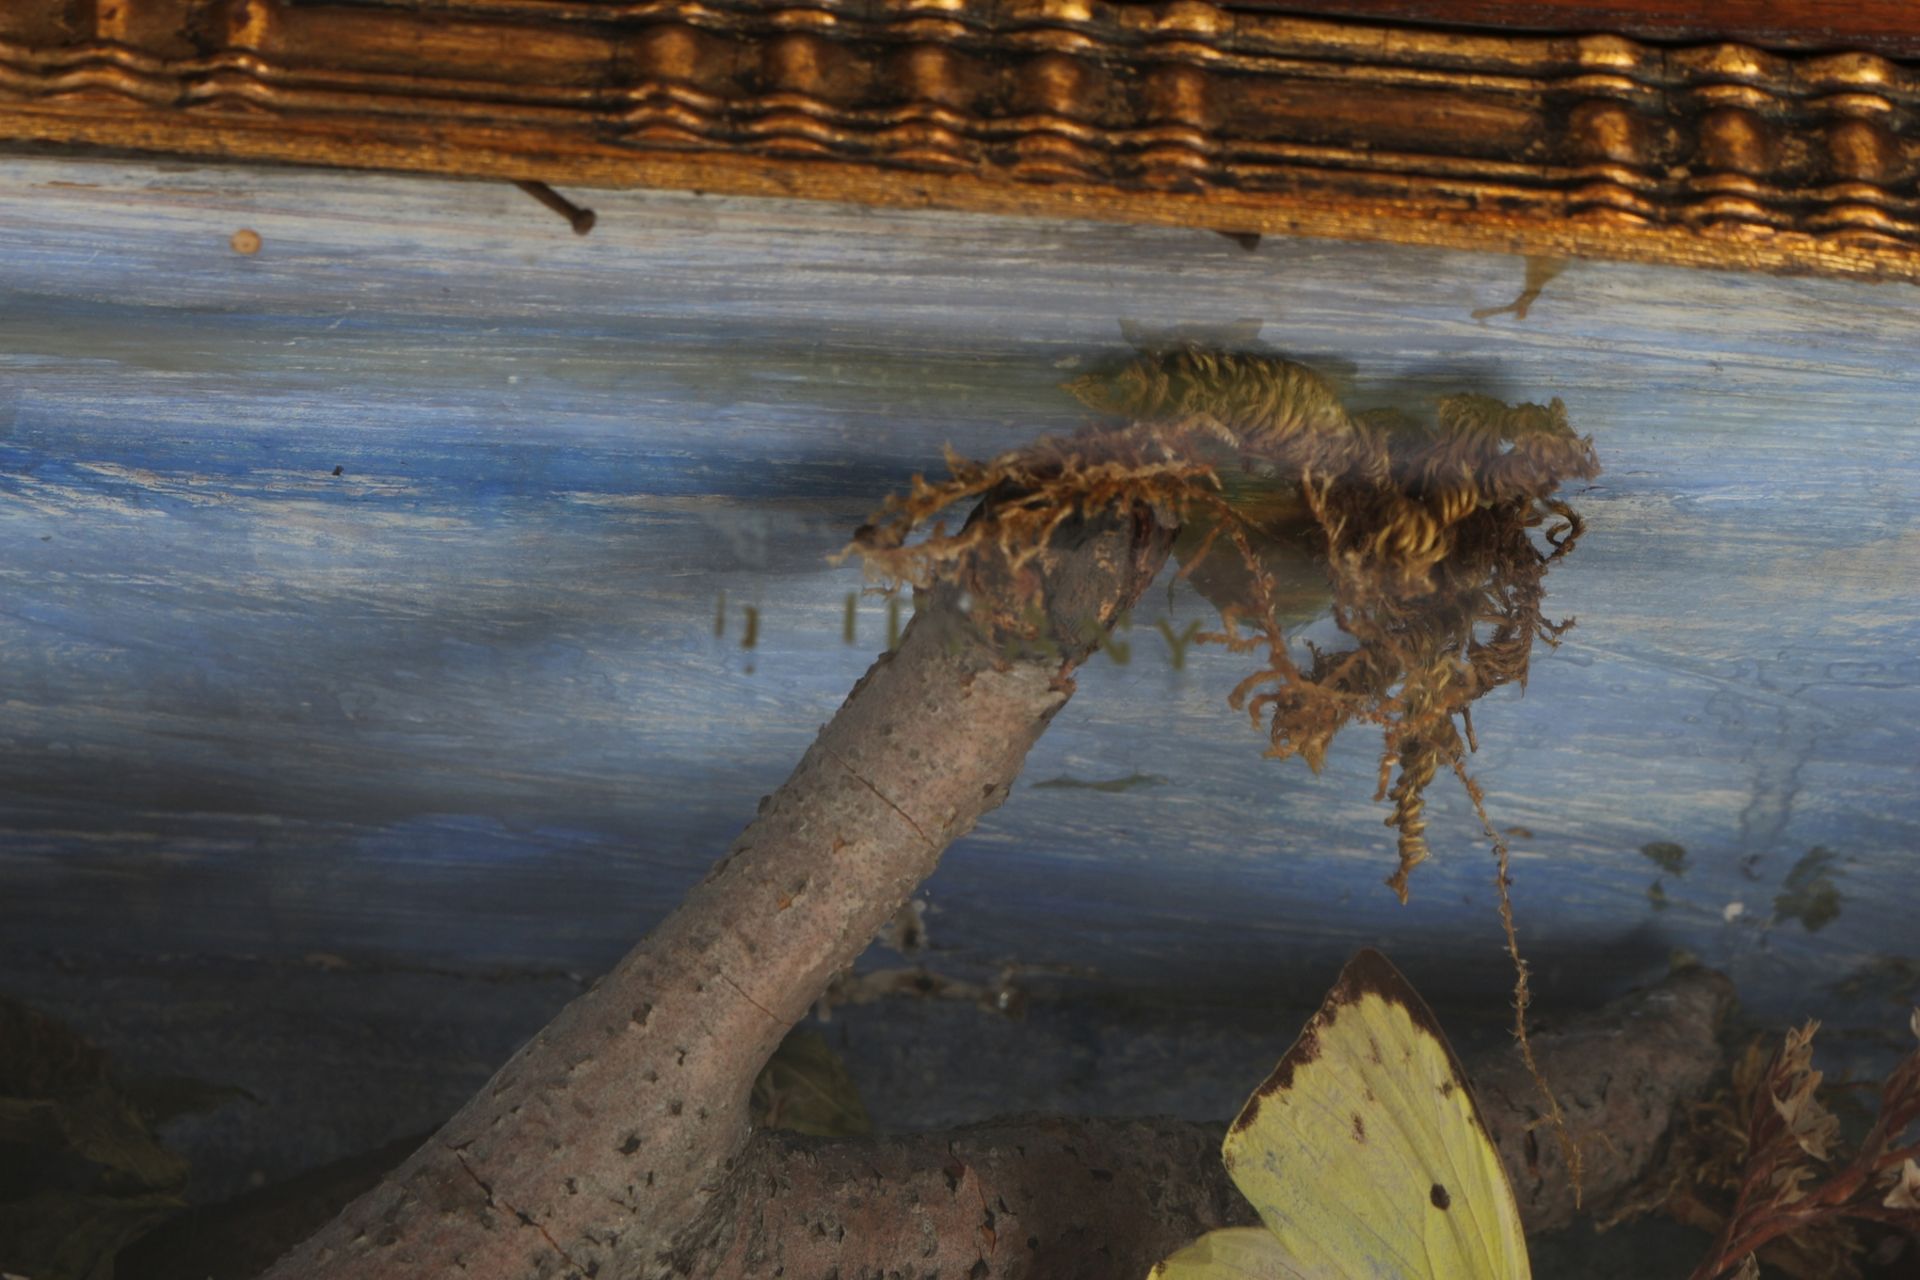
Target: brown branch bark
1066,1199
604,1138
1067,1196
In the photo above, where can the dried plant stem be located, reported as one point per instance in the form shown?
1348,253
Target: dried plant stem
1522,991
1790,1135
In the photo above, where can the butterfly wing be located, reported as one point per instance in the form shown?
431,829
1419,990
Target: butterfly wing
1364,1152
1238,1253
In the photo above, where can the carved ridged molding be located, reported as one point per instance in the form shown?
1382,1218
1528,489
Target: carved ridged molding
1186,112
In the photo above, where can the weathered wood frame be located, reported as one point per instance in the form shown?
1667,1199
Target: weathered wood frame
1187,112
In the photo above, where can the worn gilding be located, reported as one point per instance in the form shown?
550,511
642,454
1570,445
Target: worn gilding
1187,112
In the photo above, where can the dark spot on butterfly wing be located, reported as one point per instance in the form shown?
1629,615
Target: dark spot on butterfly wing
1359,1129
1441,1200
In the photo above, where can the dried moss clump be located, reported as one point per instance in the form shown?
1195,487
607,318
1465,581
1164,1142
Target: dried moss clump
1428,542
1420,538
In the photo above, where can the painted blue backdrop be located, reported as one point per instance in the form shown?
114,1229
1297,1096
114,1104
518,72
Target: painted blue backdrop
358,596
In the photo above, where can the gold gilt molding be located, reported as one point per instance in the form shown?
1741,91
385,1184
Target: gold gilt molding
1183,112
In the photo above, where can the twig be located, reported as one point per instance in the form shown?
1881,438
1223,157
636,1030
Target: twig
580,219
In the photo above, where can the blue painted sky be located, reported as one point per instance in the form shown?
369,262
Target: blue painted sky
463,701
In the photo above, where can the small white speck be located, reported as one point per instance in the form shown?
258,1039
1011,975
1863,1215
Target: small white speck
1733,911
513,377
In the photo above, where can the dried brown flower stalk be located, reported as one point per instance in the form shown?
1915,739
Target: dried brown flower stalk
1799,1195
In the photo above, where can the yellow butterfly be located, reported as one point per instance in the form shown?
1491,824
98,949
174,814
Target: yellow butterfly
1365,1155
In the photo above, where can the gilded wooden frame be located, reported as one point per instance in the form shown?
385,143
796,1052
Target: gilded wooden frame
1186,112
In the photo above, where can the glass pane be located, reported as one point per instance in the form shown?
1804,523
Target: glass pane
378,595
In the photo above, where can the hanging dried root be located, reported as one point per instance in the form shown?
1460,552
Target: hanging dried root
1570,1150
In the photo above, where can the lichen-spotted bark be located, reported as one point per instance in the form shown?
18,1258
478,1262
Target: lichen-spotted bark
599,1143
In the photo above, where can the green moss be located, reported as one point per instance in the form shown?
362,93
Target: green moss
1128,783
1809,894
1668,856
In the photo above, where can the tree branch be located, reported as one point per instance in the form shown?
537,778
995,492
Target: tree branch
1069,1196
618,1124
617,1141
